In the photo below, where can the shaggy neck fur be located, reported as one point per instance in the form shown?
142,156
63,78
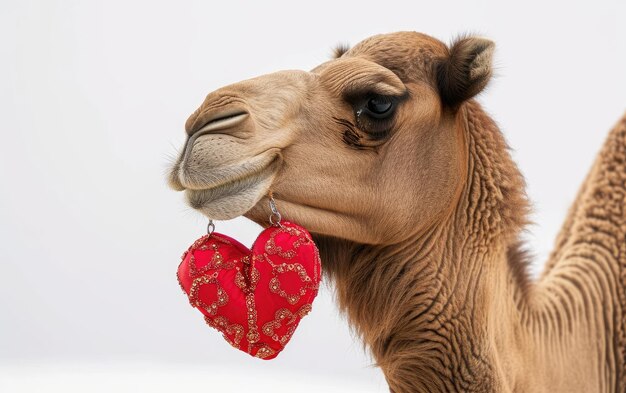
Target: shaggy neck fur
452,309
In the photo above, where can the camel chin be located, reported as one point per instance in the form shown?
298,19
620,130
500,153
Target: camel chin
231,200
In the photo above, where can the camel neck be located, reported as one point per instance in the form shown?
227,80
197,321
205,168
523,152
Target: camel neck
451,308
426,310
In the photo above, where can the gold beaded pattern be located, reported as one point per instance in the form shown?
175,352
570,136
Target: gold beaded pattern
222,324
222,296
292,298
272,249
288,318
246,278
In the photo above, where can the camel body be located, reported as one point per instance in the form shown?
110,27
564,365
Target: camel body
411,194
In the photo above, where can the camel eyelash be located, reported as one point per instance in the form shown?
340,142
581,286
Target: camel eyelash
354,138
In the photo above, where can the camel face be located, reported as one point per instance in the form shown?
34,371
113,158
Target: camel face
361,148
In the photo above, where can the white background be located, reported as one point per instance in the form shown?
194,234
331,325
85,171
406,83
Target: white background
93,98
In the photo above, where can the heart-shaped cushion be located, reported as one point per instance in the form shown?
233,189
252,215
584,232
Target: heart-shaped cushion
256,297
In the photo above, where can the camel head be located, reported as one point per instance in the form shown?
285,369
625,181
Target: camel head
364,147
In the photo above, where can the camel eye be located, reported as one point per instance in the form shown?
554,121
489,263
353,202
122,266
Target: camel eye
379,107
375,115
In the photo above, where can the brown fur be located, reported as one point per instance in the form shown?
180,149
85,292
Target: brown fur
418,217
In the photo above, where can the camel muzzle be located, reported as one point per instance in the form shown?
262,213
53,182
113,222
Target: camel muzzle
217,120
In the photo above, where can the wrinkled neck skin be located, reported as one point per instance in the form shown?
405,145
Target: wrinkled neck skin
451,310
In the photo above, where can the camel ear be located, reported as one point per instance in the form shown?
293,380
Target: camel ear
466,70
339,50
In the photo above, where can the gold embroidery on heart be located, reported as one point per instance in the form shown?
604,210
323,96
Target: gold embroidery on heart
180,283
253,278
216,262
253,335
222,296
292,298
271,248
221,323
198,243
280,316
240,280
265,351
221,239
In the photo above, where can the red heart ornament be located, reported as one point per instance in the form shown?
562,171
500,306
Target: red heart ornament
257,297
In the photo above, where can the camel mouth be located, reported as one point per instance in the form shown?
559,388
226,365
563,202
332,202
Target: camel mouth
233,197
213,173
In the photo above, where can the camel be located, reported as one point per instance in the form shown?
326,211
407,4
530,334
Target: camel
410,192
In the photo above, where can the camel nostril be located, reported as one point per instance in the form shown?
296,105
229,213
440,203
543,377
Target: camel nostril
208,122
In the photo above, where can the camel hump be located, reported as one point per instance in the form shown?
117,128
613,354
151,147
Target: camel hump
598,214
